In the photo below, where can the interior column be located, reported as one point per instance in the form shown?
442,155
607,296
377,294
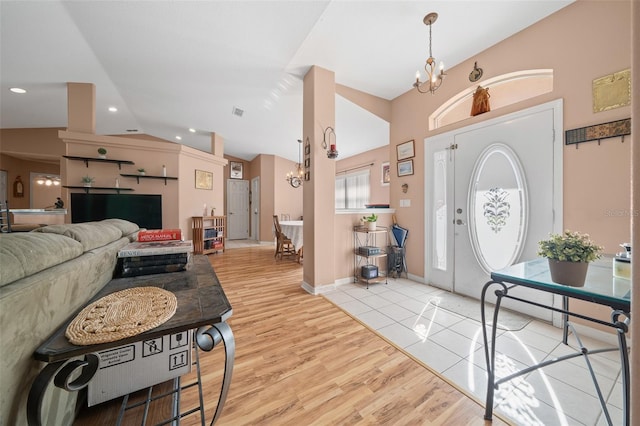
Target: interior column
81,107
319,191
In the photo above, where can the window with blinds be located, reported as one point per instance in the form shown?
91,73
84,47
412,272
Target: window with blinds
352,190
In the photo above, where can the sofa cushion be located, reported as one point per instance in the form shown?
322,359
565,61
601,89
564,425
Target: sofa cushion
26,253
124,225
90,234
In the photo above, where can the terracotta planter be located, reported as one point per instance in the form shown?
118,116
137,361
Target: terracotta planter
568,273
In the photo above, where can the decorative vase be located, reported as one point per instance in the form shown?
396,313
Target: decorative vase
371,226
568,273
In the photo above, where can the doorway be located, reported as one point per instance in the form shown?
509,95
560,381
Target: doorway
493,190
237,209
255,208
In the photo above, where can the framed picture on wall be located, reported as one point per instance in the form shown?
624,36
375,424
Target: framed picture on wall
204,180
386,173
405,168
236,170
405,150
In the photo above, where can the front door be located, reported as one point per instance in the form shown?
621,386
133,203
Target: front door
237,209
506,195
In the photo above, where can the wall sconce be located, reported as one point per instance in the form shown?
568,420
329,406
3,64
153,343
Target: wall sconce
332,152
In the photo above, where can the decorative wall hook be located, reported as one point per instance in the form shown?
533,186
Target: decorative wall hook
476,73
332,152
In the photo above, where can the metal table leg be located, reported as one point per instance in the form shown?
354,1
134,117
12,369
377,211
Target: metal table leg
490,352
206,340
61,373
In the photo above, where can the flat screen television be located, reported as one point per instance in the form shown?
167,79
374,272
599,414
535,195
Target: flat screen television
144,210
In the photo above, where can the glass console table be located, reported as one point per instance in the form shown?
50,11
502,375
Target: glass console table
600,288
202,306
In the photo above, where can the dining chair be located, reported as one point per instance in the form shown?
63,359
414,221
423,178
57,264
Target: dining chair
284,246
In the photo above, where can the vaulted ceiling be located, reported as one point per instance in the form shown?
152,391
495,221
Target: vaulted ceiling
168,66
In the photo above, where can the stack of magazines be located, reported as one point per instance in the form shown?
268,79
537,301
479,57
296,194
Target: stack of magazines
155,257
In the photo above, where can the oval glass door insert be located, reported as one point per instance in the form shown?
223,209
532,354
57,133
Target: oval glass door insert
498,208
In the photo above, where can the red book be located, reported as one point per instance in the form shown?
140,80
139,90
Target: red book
159,235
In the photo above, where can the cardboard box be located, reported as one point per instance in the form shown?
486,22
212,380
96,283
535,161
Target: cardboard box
136,366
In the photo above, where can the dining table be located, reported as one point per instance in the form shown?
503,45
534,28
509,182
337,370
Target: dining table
293,230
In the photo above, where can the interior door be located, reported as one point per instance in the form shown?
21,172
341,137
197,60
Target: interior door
255,208
237,209
494,189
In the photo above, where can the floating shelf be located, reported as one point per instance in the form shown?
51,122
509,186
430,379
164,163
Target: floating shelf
98,160
166,178
89,188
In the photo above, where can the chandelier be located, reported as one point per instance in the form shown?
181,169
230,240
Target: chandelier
434,80
295,178
48,180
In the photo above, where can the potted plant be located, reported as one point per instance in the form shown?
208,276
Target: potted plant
569,255
102,153
141,171
371,221
87,181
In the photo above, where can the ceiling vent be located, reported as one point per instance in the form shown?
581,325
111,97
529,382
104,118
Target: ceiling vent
237,112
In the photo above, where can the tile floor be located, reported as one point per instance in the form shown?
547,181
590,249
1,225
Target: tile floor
405,313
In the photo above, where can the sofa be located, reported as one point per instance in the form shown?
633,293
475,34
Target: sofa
45,276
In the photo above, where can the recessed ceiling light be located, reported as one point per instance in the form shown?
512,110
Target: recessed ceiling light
179,138
18,90
192,130
113,109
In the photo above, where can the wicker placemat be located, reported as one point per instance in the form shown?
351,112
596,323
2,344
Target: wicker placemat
122,314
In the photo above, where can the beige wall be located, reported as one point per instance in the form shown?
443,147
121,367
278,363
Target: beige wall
596,178
287,199
373,161
40,197
180,199
44,149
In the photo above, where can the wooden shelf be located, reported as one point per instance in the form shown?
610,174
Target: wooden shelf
207,230
378,279
89,188
138,176
98,160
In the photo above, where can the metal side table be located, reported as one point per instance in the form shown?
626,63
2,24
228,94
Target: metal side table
202,306
600,288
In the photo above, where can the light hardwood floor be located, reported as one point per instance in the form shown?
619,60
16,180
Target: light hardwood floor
300,360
